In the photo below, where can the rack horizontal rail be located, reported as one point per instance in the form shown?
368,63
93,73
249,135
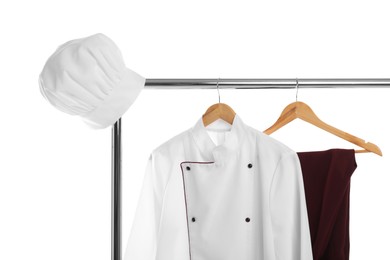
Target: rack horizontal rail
266,83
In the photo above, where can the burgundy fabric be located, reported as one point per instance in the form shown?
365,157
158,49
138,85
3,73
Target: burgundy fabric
326,176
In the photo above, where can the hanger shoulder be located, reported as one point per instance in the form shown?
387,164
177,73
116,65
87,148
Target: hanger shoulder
218,110
211,115
369,147
305,113
288,114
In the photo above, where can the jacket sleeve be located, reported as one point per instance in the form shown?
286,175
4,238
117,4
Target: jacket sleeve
142,240
289,219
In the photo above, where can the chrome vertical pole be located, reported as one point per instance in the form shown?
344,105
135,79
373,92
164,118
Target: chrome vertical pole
116,171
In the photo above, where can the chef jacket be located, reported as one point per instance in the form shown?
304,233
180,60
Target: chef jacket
225,192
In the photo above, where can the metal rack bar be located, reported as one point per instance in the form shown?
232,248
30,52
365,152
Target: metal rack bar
287,83
267,83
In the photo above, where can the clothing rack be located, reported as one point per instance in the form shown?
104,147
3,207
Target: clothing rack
288,83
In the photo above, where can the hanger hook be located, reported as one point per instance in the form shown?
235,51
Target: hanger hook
219,96
296,90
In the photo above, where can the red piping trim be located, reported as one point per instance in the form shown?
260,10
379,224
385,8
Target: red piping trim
185,200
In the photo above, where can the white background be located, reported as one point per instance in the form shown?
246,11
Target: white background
55,172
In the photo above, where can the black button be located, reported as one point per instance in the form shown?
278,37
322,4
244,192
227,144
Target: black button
193,219
188,168
247,219
250,165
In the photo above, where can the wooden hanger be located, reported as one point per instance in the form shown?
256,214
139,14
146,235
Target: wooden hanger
302,111
216,111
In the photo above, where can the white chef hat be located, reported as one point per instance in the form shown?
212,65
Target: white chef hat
88,77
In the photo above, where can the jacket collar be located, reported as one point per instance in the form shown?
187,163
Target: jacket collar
223,151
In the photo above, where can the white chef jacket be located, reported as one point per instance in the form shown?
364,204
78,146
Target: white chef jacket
228,193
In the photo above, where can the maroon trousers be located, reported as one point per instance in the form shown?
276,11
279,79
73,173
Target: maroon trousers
326,176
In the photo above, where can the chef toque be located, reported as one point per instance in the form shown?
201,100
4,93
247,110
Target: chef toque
87,77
